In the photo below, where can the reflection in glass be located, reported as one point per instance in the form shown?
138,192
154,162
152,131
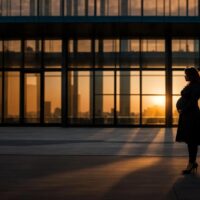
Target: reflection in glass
153,109
153,53
12,53
185,53
53,53
128,109
104,82
128,82
104,109
32,53
80,97
153,82
32,98
52,102
134,8
11,97
80,55
49,7
108,7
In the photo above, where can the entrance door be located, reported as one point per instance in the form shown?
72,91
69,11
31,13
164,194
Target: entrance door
32,98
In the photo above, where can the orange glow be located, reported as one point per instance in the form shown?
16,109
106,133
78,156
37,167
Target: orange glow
158,100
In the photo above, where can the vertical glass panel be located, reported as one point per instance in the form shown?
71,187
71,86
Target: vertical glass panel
153,53
182,7
68,8
104,97
50,8
178,82
80,55
160,7
113,7
149,7
129,56
167,7
193,7
12,53
153,109
128,82
185,53
134,8
32,98
52,102
91,9
174,5
106,79
53,53
32,53
12,96
106,53
80,99
128,109
84,46
153,82
15,7
104,109
26,7
81,7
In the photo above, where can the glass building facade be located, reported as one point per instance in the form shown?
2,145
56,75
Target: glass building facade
95,62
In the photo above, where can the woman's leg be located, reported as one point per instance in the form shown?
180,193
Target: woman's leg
192,150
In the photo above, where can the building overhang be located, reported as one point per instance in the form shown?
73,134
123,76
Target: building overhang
101,27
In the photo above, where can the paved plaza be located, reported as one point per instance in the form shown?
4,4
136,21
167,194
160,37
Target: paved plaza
93,164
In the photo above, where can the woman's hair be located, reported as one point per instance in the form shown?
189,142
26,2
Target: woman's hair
192,74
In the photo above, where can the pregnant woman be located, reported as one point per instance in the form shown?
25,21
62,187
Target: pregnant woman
189,117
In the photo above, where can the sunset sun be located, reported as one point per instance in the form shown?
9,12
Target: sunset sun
158,100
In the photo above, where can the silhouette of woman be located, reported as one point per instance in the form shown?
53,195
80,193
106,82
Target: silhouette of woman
189,117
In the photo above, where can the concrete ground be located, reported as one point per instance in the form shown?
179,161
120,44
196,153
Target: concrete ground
93,164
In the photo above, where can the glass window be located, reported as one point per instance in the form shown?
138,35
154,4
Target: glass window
193,7
50,8
153,109
91,9
81,10
153,82
11,97
32,98
185,53
80,55
53,53
15,7
149,7
160,7
84,46
52,102
182,7
80,97
12,53
128,109
113,7
32,53
128,82
104,82
153,53
174,4
134,8
178,81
